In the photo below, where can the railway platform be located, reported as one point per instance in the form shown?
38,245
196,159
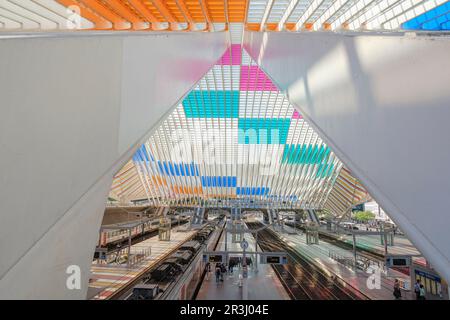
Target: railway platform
402,246
320,255
106,280
261,284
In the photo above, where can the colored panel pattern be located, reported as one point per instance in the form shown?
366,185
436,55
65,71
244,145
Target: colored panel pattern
174,169
232,56
212,104
233,138
213,181
305,154
214,15
346,193
263,131
252,191
435,19
296,115
254,79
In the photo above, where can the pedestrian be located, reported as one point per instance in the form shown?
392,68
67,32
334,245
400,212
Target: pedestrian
240,281
208,270
217,274
397,291
422,292
417,289
223,270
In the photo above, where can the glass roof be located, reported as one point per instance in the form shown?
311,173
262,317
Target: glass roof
214,15
234,137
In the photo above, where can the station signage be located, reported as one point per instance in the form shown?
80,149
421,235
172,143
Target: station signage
215,257
273,258
398,261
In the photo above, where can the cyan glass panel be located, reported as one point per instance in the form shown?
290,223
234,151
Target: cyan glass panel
305,154
263,130
212,104
324,170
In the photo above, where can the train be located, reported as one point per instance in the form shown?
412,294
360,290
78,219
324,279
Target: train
179,275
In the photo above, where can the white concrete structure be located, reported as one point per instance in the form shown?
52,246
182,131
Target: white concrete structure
387,93
74,108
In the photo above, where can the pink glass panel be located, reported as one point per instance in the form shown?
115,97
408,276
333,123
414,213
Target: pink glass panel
254,79
296,115
232,57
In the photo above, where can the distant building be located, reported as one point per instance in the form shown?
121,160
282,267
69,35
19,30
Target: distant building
373,207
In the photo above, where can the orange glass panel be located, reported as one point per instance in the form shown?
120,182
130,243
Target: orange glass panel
137,12
159,181
98,21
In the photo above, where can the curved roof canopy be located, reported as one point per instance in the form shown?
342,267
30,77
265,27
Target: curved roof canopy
215,15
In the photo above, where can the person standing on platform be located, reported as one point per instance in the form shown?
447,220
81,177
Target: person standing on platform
223,270
422,292
397,291
417,289
217,273
208,270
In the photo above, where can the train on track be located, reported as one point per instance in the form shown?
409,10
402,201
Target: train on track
179,275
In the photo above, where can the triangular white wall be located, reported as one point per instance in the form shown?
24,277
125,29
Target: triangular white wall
382,103
74,107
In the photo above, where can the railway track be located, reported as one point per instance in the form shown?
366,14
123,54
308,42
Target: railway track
366,253
303,280
344,245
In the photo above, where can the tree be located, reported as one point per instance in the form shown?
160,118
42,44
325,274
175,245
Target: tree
363,216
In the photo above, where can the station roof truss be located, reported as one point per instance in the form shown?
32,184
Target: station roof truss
216,15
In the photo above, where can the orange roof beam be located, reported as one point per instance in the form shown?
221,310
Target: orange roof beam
118,22
98,21
287,13
207,15
143,10
185,12
166,13
269,6
123,11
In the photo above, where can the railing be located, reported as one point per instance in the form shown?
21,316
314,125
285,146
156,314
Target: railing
120,258
348,262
